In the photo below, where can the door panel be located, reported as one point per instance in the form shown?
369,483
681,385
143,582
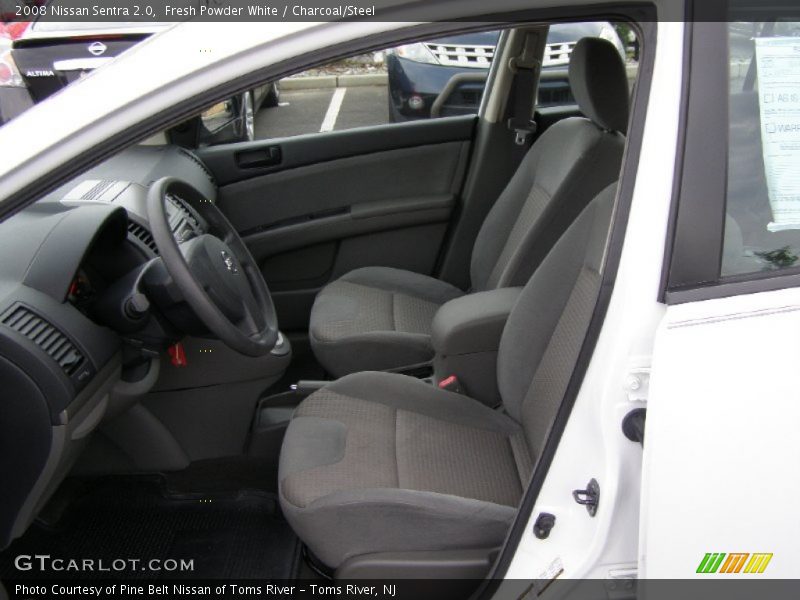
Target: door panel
346,221
314,207
334,187
720,459
294,277
311,149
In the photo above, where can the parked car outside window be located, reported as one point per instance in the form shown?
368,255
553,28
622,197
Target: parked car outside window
457,67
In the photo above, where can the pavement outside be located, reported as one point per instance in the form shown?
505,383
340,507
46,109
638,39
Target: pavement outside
303,111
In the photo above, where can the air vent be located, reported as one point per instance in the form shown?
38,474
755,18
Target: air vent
57,345
141,233
182,219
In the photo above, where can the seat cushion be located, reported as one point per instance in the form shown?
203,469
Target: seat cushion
376,318
383,462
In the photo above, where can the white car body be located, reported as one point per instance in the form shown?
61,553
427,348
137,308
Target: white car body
718,468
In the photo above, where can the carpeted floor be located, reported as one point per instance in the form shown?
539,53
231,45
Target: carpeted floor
231,535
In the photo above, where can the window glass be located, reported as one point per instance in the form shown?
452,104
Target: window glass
762,226
554,87
438,77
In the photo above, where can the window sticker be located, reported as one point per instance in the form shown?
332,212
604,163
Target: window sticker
778,63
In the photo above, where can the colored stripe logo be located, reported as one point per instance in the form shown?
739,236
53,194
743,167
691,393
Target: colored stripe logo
734,562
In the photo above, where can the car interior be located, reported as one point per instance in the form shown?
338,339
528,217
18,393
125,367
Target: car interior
331,355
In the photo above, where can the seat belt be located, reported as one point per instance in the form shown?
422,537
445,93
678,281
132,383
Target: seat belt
526,67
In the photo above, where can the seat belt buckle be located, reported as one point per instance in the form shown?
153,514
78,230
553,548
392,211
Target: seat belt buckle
177,355
451,384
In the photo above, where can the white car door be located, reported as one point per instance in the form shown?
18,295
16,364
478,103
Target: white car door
721,455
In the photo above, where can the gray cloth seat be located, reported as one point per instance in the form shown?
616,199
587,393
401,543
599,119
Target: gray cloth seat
385,462
376,318
380,318
379,462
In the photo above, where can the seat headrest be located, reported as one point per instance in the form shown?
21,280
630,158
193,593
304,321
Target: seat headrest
599,83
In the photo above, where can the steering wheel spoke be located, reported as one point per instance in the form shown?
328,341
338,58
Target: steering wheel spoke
230,237
215,274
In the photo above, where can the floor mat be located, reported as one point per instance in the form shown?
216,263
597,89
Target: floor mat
227,474
227,535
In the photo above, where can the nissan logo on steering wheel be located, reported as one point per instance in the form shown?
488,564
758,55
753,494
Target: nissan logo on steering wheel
229,264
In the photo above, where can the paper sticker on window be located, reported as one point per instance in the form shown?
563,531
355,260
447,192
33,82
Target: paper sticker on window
778,62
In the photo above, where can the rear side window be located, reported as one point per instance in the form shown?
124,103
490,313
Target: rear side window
762,225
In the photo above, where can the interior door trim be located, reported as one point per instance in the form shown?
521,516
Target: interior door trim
315,148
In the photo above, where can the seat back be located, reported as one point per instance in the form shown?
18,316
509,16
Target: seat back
566,167
545,331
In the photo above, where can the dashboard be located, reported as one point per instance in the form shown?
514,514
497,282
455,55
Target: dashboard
58,358
65,250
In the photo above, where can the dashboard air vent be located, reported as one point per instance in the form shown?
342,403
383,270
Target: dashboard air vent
141,233
57,345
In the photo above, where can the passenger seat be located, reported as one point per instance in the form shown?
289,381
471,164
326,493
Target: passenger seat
379,318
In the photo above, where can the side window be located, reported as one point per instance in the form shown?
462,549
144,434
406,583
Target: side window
554,87
439,77
434,78
762,227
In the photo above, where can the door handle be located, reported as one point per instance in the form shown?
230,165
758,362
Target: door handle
258,157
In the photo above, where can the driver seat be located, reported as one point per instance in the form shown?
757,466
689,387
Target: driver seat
380,318
379,462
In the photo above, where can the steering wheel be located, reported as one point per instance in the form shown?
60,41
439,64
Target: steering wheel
214,271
